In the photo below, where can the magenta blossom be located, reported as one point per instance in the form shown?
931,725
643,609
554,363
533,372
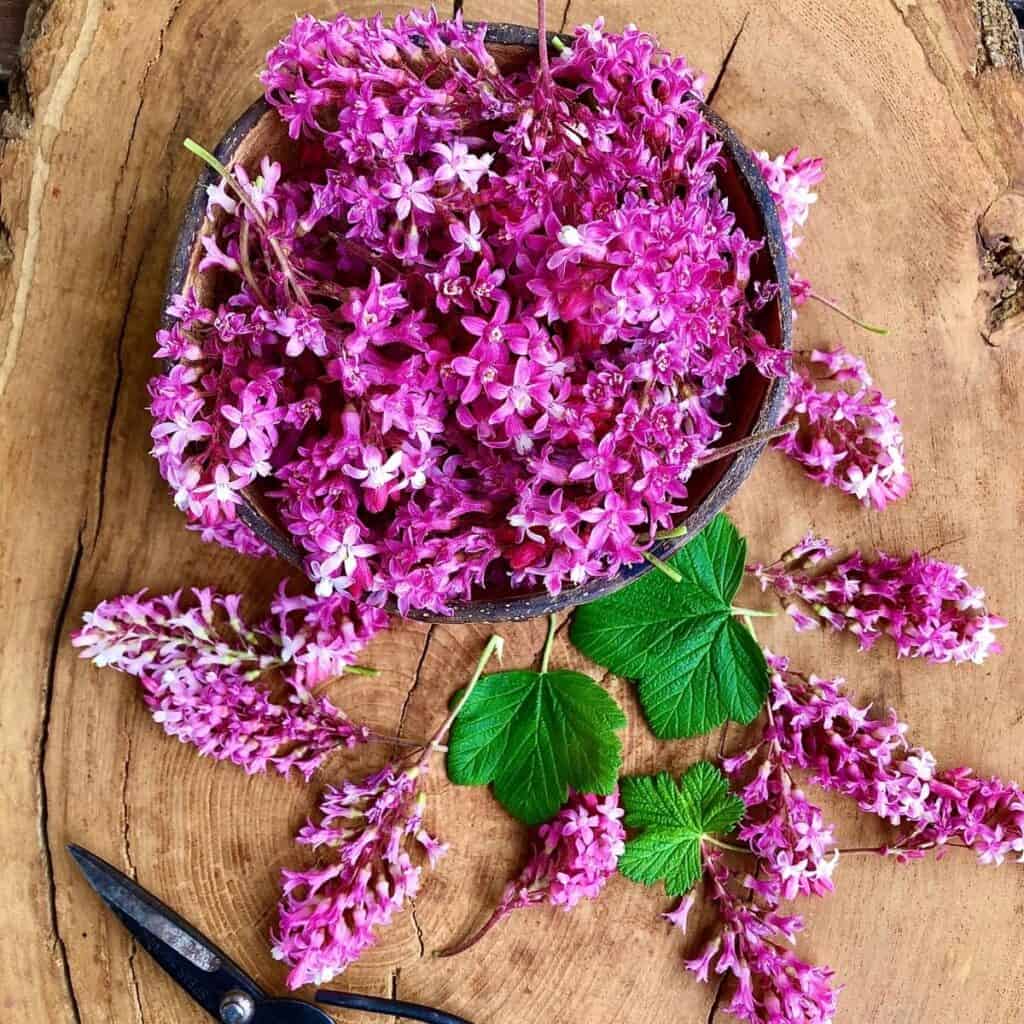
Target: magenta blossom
815,728
846,437
927,606
772,984
328,915
202,667
792,181
571,858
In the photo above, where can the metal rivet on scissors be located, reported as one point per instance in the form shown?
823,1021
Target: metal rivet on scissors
217,984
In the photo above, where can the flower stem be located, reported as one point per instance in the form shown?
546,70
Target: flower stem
495,645
726,846
747,442
275,246
545,656
677,531
206,156
663,567
542,43
362,670
848,316
398,741
500,913
751,613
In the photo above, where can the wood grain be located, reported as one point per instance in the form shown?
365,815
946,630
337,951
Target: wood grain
921,140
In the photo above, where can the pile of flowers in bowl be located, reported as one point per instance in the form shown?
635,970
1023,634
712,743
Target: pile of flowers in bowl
482,333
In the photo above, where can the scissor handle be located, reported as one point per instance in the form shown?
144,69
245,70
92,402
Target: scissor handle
394,1007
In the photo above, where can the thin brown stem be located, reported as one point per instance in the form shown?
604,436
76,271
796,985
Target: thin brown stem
747,442
499,914
245,262
542,43
399,741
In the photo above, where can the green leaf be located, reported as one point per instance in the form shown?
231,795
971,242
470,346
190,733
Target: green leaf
673,821
535,734
695,663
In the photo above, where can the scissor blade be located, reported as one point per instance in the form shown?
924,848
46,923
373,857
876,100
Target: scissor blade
195,963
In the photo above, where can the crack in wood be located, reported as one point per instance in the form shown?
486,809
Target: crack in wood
415,681
419,928
6,249
150,64
393,988
40,767
115,398
136,995
119,350
722,740
565,16
727,60
1003,262
52,123
126,853
719,992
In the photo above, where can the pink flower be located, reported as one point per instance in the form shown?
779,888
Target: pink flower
815,728
599,462
468,237
571,859
443,295
200,668
328,916
409,192
791,182
772,984
849,439
796,850
927,606
459,164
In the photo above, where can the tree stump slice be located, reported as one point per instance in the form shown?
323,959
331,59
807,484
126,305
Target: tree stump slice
917,108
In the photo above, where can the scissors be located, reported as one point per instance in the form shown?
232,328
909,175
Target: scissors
208,975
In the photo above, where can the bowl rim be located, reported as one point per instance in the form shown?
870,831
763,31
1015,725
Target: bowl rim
531,604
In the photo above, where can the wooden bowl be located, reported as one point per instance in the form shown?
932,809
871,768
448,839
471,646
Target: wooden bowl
754,403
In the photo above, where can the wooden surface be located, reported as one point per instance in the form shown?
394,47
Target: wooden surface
921,126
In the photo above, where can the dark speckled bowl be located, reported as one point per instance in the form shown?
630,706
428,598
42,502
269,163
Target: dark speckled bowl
754,404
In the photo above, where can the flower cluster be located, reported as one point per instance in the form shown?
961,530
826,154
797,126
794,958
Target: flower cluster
791,181
814,727
200,666
848,437
794,845
927,606
571,858
328,914
484,334
772,984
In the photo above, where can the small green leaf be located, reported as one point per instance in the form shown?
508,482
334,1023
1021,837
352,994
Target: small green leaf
535,734
696,665
673,821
